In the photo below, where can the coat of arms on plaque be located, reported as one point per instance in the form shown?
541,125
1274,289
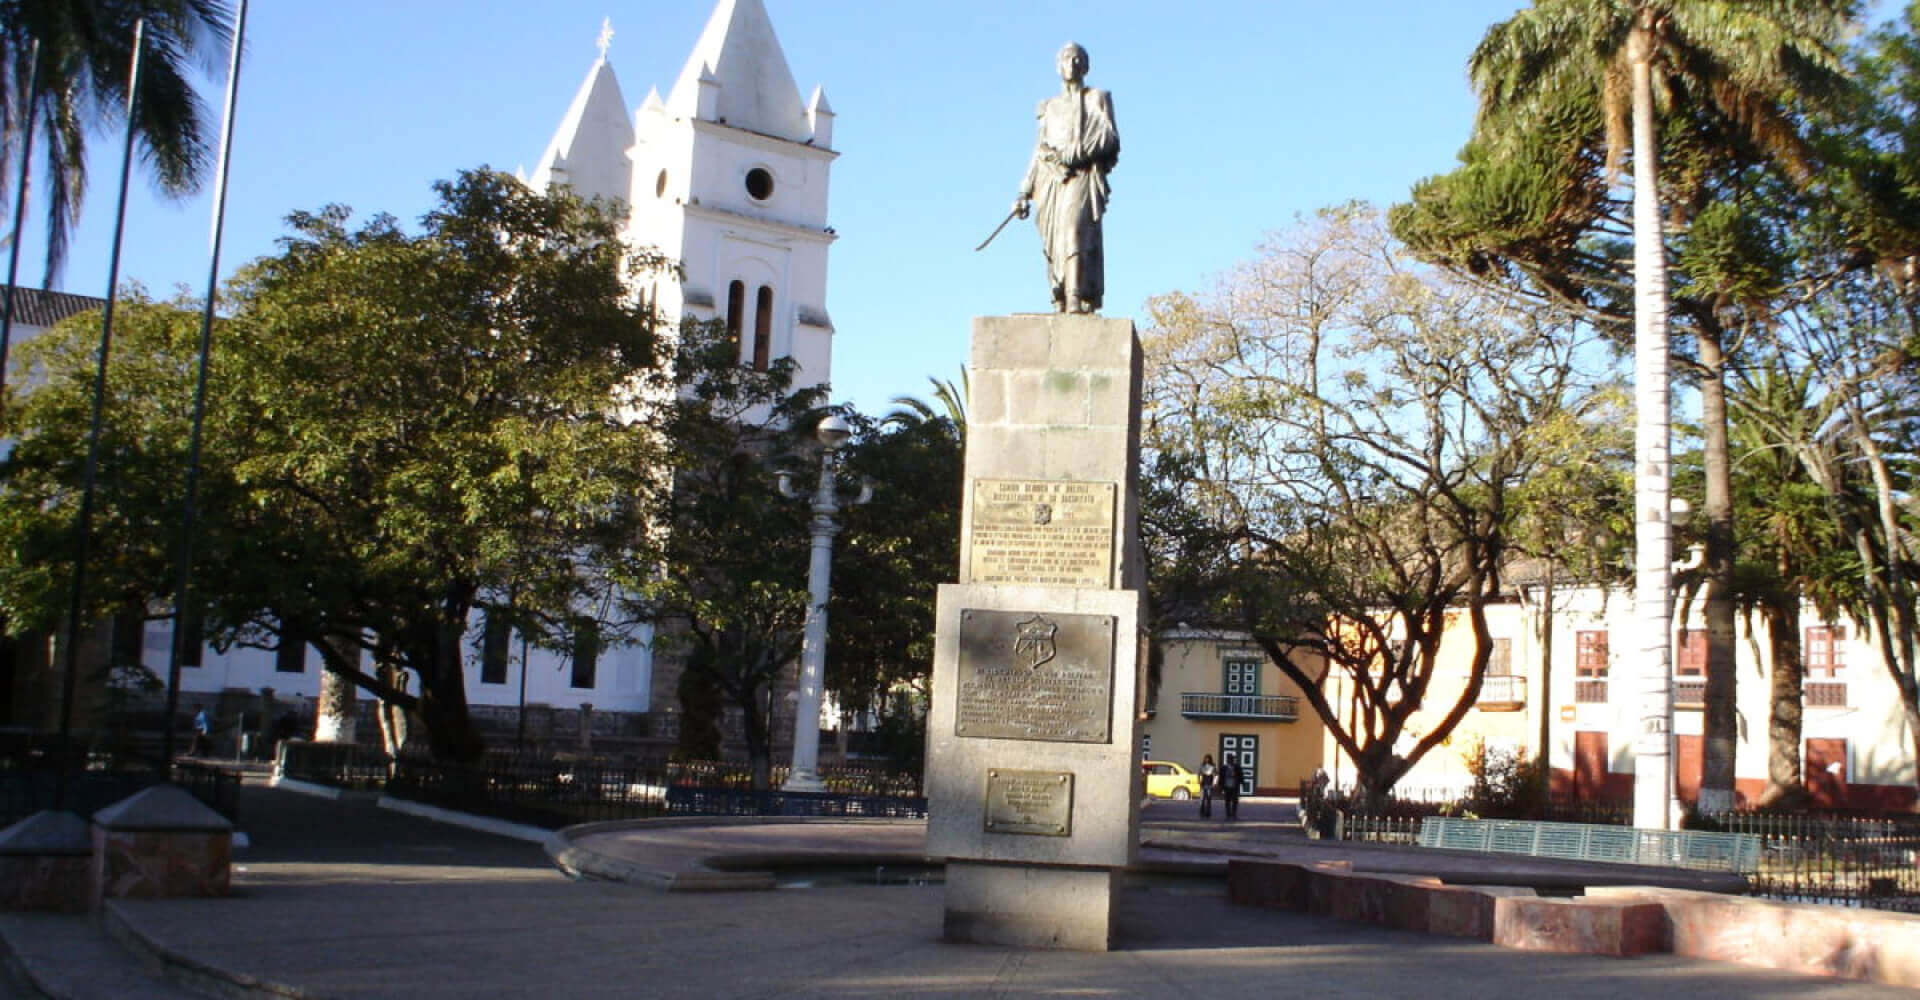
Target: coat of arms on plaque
1033,642
1043,513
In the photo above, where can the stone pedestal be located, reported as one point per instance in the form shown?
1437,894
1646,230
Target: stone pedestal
1033,780
46,863
161,843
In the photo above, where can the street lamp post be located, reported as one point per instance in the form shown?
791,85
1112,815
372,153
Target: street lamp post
833,432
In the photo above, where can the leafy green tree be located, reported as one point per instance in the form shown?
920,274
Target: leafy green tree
401,429
85,50
142,445
726,577
1572,89
1352,432
892,556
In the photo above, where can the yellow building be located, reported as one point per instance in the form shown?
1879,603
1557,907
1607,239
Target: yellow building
1220,695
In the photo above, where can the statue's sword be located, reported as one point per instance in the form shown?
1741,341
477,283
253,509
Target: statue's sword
996,230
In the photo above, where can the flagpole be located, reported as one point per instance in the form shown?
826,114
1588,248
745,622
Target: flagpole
189,508
19,214
84,522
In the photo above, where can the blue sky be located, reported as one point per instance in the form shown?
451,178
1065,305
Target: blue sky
1235,116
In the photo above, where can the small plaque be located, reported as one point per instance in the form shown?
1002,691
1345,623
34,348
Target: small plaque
1036,803
1032,676
1039,531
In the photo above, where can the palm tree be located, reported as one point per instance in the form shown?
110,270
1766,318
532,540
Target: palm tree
1731,65
78,82
951,401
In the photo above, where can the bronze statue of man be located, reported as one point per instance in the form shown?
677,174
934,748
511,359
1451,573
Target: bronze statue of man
1066,185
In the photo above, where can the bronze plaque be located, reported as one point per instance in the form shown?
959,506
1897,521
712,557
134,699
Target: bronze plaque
1034,676
1029,802
1040,531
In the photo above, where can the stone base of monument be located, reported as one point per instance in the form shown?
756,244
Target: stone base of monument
1027,906
1033,781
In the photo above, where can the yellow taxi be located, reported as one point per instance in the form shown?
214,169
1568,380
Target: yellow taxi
1167,780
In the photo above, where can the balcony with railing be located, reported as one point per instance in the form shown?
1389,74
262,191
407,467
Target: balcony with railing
1503,693
1825,694
1250,707
1590,690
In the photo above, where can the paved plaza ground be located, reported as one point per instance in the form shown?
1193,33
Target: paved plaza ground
344,900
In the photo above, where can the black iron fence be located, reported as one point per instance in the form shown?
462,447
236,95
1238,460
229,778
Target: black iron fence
87,789
553,792
547,794
346,766
1844,860
1863,861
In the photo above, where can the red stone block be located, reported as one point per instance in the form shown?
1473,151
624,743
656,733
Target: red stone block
1267,883
161,865
1871,945
1579,926
51,883
1461,912
46,863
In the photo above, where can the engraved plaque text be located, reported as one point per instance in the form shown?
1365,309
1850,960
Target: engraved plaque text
1042,532
1035,676
1029,802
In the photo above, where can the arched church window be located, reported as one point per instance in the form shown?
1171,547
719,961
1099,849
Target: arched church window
763,329
736,305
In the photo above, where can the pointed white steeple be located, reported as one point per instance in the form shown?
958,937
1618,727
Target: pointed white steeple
820,118
589,151
738,61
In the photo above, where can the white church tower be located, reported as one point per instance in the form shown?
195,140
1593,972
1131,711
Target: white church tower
728,176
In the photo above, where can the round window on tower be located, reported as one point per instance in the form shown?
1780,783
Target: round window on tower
759,184
660,185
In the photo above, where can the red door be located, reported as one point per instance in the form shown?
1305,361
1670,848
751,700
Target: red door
1689,763
1589,766
1827,772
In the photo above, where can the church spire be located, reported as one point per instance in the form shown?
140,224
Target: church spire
589,151
739,58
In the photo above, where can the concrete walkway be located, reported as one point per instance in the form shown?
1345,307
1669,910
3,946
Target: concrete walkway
343,900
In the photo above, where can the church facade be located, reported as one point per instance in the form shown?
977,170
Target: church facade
727,176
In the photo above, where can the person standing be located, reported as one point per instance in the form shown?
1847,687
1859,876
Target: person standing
1230,786
1207,774
202,728
1066,190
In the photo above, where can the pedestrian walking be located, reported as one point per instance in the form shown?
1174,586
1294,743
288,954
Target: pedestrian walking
1208,773
1230,786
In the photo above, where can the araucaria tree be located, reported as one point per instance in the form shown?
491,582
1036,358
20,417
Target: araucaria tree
1352,431
402,428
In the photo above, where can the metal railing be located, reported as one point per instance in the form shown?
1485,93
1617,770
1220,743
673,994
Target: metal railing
1503,690
37,772
1590,691
1871,862
1825,694
1842,860
337,765
1266,707
553,792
